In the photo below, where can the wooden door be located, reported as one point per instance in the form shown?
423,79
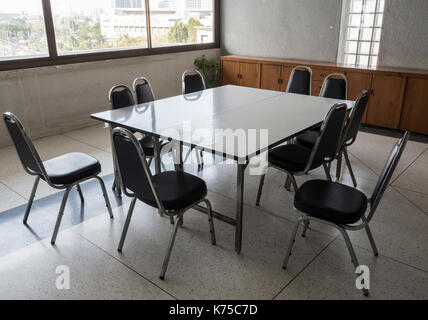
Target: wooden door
271,77
230,72
357,83
250,75
386,101
415,110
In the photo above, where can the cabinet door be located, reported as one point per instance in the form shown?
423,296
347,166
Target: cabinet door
415,110
250,75
271,77
230,73
285,76
357,83
386,101
316,87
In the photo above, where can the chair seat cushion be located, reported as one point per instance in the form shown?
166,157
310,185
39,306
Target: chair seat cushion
331,201
308,138
292,158
71,167
177,190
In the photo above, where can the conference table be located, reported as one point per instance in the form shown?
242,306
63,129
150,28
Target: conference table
237,123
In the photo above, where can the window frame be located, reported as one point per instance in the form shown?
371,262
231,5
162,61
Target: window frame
104,54
346,26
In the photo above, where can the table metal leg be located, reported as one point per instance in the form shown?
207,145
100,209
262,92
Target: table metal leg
178,163
157,154
239,207
116,183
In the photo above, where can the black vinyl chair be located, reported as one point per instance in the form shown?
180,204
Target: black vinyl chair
296,160
63,172
143,90
350,134
300,81
335,86
122,97
341,206
171,192
192,81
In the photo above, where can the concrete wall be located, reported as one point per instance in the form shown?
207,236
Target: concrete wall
404,41
53,100
303,29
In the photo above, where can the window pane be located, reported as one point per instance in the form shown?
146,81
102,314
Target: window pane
366,34
363,61
350,59
373,62
351,46
22,30
354,20
375,48
180,22
380,5
370,6
353,34
376,36
364,48
379,20
82,25
368,20
356,6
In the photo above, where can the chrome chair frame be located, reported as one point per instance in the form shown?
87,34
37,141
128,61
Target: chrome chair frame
338,75
116,184
185,74
199,153
339,156
292,75
141,80
343,151
291,176
179,214
373,202
9,116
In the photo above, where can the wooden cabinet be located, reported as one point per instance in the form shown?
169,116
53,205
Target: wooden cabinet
241,74
398,96
415,111
386,101
275,77
357,83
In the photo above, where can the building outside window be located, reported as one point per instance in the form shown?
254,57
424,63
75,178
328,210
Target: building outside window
361,32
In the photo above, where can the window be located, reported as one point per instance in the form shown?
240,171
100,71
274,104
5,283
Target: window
22,32
180,22
363,27
48,32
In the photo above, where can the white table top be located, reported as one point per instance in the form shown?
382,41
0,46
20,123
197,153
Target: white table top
200,119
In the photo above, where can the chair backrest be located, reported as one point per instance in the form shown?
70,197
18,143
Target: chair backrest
24,146
327,144
192,81
335,88
121,97
143,90
300,81
135,174
387,172
355,118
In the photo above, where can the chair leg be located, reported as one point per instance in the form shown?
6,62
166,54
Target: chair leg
348,163
211,221
259,193
327,171
294,182
30,201
79,190
60,214
126,226
305,229
371,240
291,244
116,187
339,166
170,246
106,199
288,183
352,254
